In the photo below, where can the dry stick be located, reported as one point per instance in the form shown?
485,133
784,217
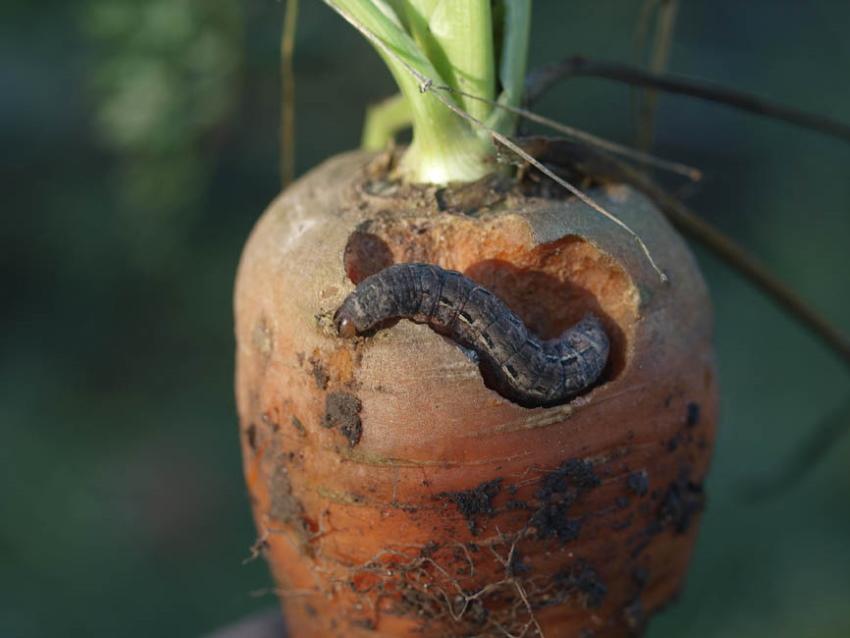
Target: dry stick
256,549
426,85
690,172
642,24
666,21
540,81
287,81
640,36
518,586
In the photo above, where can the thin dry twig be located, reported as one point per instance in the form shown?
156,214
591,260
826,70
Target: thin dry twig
693,174
541,80
510,578
287,81
659,57
258,547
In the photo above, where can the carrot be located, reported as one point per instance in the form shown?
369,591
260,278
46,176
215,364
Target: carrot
396,491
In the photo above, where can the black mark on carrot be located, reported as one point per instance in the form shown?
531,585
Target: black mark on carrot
251,435
638,482
692,414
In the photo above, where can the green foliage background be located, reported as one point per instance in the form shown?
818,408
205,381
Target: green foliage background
140,144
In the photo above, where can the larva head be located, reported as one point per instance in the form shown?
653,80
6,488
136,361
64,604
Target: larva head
346,329
374,302
346,318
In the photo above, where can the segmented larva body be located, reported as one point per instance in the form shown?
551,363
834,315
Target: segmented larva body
513,361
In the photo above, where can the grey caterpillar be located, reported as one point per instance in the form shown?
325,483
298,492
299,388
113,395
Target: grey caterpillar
513,361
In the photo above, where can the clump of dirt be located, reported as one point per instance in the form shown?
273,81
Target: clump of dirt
319,372
573,473
475,502
585,581
681,502
474,197
552,520
638,482
298,425
342,410
558,492
634,615
284,506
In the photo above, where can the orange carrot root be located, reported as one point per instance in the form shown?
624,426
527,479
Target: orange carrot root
396,495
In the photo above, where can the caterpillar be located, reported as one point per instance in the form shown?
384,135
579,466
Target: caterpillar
513,361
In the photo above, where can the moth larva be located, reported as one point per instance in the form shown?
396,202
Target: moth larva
513,361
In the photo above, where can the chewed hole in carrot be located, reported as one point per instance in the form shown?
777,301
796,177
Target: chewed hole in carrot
514,362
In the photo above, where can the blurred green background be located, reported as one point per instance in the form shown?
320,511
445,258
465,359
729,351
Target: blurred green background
140,144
